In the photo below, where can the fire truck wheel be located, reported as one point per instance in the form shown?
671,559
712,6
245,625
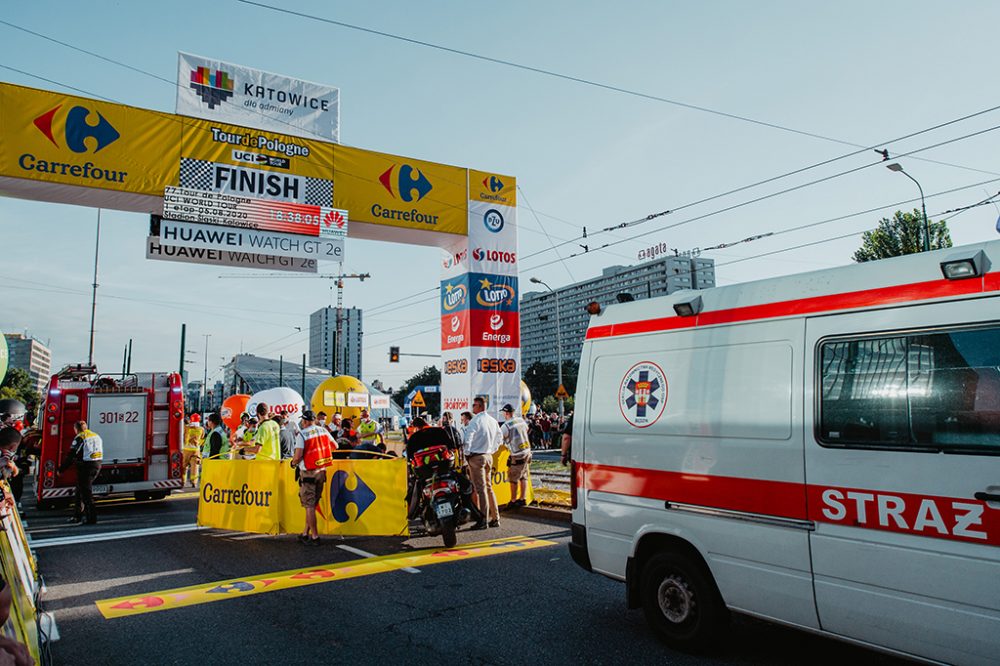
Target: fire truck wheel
681,602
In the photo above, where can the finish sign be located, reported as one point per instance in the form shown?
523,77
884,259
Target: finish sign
189,234
232,210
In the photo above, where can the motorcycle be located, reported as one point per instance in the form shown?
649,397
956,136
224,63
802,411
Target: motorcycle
441,506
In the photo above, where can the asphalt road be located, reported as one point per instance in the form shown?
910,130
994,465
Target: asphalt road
511,607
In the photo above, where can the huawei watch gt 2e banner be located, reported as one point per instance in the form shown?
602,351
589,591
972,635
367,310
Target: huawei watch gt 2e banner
224,92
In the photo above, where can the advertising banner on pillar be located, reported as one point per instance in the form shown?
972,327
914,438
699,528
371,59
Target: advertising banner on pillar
456,381
225,92
493,292
189,234
455,330
454,295
489,328
496,374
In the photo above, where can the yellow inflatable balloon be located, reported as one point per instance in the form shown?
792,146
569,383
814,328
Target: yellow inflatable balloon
525,398
333,395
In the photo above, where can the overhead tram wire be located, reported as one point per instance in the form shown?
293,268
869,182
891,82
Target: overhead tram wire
771,195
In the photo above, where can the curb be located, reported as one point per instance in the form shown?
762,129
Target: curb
544,513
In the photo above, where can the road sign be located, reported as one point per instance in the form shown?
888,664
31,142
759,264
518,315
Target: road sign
211,237
418,400
188,255
233,210
561,392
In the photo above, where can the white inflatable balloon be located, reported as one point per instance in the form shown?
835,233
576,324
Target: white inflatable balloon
280,399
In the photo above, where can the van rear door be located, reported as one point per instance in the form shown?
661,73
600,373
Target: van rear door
902,439
120,420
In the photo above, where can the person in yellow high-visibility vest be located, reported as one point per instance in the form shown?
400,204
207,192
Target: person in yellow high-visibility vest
369,431
194,435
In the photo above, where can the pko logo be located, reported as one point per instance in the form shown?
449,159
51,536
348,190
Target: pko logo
213,87
493,220
493,183
361,496
407,180
77,129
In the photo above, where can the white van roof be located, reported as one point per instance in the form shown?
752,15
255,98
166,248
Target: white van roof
877,283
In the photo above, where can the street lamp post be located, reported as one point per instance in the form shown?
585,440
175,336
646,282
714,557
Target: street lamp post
204,386
558,340
898,168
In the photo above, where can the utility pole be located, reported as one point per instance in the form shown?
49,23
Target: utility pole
93,299
128,366
204,386
303,391
181,363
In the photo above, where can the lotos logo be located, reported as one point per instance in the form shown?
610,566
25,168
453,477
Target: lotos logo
499,256
361,496
407,181
78,129
493,183
454,296
454,259
213,87
334,217
493,221
492,294
496,322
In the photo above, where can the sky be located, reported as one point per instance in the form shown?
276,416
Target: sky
821,80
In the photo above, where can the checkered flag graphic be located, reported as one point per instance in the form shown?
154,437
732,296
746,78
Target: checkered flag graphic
196,174
319,192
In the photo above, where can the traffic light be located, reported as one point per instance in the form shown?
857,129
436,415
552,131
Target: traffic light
393,354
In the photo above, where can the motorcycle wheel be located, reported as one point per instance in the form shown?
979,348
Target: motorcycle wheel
448,533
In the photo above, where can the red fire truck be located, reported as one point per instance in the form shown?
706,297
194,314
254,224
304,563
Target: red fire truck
140,418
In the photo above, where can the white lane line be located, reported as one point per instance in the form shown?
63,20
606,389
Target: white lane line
362,553
112,536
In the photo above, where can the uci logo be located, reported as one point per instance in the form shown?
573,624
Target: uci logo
78,129
454,297
407,180
361,496
493,221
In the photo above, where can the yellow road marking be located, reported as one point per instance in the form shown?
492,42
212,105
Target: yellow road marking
242,587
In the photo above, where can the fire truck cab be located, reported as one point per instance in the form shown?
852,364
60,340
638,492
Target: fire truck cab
140,418
819,450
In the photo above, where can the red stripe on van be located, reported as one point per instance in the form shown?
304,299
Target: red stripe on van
848,301
772,498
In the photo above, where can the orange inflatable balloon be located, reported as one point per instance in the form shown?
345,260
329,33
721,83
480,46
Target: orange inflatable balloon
232,408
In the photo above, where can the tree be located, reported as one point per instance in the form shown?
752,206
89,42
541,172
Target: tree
17,385
429,376
543,380
903,234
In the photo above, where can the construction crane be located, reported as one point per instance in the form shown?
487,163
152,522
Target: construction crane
339,283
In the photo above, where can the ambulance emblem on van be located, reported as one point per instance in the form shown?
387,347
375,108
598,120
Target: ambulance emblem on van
643,394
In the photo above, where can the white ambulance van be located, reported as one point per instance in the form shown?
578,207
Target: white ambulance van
820,450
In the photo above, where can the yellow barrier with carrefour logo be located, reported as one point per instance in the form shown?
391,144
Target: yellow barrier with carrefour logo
500,480
19,571
360,497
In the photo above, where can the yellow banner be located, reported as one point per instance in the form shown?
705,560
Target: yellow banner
58,138
400,191
249,148
501,482
360,497
240,495
492,188
283,580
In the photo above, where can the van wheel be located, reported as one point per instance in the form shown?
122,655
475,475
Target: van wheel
680,602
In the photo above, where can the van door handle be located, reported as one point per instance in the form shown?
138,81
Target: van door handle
987,497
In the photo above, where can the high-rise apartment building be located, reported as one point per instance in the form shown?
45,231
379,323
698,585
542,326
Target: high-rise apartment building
32,356
322,331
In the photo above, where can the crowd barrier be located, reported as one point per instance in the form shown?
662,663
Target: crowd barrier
360,497
20,571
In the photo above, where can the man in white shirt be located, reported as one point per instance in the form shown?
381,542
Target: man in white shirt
515,437
482,440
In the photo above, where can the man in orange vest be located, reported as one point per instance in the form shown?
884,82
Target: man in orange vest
312,455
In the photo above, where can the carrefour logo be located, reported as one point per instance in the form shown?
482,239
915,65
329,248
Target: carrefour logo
82,131
499,256
492,294
454,297
78,129
493,221
362,496
493,183
410,184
